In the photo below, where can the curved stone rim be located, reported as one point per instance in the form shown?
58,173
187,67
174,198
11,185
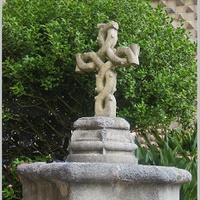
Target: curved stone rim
103,172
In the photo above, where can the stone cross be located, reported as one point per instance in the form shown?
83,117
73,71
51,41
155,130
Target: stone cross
105,62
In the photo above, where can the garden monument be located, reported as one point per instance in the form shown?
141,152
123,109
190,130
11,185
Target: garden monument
101,164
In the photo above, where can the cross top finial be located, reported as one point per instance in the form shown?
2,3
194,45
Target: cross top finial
105,61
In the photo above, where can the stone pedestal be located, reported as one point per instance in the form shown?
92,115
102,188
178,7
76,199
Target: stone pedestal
102,139
100,181
101,166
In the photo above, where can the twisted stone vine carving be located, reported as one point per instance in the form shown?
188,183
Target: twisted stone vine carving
105,62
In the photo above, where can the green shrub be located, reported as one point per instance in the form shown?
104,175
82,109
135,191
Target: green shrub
179,149
11,187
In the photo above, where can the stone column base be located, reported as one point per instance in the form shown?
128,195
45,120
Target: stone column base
102,139
100,181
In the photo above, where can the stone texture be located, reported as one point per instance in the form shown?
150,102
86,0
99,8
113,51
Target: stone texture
74,181
102,139
101,122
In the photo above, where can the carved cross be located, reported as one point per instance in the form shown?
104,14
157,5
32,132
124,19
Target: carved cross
105,61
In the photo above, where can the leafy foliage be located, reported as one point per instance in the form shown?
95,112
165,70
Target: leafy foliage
179,149
11,180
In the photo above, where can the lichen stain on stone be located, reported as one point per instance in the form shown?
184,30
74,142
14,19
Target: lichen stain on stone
63,188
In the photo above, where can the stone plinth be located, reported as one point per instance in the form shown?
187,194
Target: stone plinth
102,139
100,181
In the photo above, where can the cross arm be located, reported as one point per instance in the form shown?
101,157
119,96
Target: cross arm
88,62
124,55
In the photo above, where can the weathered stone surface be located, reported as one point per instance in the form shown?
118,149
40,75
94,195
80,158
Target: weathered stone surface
91,158
102,139
90,123
74,181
